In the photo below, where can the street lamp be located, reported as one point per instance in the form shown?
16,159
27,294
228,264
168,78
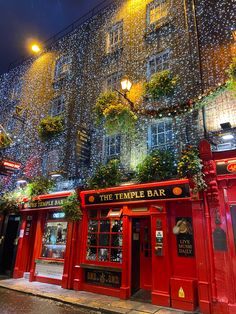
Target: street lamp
35,48
125,87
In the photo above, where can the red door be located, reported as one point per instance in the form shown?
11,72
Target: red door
145,254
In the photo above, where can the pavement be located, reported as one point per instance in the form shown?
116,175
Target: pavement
95,303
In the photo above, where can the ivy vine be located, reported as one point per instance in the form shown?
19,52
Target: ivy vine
50,127
71,208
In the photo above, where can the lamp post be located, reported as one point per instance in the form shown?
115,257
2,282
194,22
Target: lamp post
126,85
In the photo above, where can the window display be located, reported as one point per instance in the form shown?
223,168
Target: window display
104,241
54,239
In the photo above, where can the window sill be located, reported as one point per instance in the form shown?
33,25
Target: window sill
101,267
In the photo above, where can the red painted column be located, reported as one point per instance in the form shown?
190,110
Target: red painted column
204,264
37,243
68,255
125,290
21,258
160,264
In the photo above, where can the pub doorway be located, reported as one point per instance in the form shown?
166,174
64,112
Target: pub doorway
141,266
8,247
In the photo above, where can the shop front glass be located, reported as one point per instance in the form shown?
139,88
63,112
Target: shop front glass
54,237
104,240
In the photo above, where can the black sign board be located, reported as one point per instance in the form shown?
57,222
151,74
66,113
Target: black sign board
185,241
139,194
226,167
45,203
83,146
103,278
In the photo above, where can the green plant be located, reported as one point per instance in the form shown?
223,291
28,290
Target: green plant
117,117
232,70
190,166
40,185
9,203
106,175
161,84
71,208
4,140
50,127
157,166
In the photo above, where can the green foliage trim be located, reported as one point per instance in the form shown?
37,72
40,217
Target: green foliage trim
71,208
157,166
161,84
190,166
40,185
50,127
4,140
9,203
116,116
232,70
106,176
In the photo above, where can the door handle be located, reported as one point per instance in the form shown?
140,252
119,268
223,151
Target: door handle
1,239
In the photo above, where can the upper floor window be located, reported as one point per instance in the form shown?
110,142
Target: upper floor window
16,90
115,37
159,62
63,66
157,11
51,161
112,146
113,81
160,134
58,106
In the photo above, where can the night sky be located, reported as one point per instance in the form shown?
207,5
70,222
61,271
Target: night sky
21,20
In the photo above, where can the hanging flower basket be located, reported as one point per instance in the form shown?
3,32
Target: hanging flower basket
157,166
9,204
160,85
106,176
39,186
49,127
190,166
71,208
116,116
4,141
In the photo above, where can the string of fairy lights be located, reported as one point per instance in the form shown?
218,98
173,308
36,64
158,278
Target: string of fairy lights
85,78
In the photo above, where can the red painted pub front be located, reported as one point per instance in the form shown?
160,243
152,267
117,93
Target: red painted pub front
155,240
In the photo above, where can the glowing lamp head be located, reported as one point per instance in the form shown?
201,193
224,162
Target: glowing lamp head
126,84
35,48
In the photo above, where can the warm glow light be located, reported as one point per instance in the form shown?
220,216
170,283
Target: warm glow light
228,136
35,48
126,84
234,34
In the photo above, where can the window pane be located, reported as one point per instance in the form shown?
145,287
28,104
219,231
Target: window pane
161,138
116,226
92,213
104,212
104,239
93,226
161,127
116,255
169,136
116,240
92,239
91,254
103,255
104,225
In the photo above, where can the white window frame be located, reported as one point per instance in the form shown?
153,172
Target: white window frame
110,142
57,106
165,133
113,81
162,6
62,67
160,62
115,37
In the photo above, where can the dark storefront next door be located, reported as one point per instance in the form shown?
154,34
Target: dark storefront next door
141,254
9,244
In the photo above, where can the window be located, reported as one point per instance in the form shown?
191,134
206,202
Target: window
160,134
113,81
112,145
115,37
54,237
104,240
63,66
58,106
158,63
51,161
16,91
157,11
